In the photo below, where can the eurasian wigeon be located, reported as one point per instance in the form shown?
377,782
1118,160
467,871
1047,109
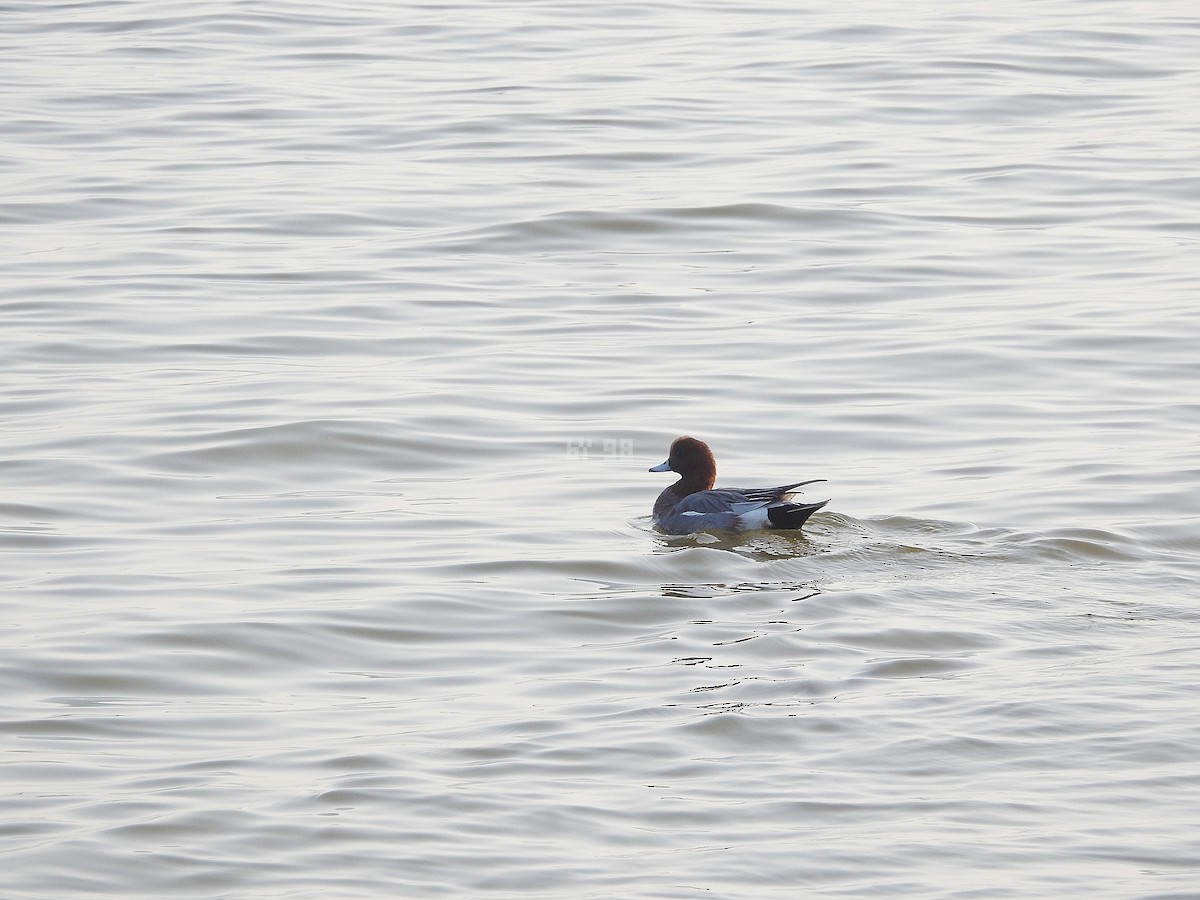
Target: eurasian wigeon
691,504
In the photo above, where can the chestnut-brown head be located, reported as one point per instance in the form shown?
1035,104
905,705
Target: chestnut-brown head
694,462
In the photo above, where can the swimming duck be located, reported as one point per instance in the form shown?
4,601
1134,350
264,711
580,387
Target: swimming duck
691,504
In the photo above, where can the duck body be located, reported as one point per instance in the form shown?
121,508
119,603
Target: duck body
692,504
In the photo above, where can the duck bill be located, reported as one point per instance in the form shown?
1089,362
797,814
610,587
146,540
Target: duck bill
661,467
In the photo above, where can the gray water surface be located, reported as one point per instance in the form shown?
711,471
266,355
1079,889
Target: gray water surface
336,342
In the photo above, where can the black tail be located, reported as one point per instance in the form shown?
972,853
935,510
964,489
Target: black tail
792,515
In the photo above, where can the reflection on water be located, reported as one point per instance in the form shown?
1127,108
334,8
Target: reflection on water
708,591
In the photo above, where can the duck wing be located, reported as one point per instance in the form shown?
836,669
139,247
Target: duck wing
735,500
766,495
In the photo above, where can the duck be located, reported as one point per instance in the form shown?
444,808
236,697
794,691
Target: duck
691,504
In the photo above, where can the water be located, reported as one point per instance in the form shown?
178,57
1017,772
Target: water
337,341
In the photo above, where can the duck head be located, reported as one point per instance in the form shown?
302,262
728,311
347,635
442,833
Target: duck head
694,462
